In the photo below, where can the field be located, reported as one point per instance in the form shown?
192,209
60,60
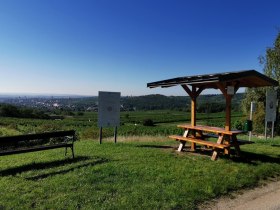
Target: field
131,123
141,171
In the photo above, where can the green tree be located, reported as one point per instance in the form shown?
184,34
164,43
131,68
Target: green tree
271,63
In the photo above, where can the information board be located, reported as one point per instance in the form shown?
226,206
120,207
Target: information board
108,109
270,108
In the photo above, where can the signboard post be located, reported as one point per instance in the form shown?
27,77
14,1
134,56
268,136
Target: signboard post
108,111
253,109
270,110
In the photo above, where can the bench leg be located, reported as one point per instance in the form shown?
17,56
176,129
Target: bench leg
72,148
181,146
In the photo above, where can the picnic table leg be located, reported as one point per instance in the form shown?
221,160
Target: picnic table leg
183,143
216,152
236,145
181,146
193,145
227,141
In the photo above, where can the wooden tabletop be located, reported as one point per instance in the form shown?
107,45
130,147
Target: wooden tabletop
211,129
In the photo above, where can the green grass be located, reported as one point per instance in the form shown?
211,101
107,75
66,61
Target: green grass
137,174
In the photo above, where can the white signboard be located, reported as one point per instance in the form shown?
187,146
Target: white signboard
108,109
230,90
270,108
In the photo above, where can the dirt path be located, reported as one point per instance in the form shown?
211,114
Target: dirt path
263,197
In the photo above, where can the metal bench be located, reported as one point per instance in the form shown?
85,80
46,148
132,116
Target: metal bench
37,142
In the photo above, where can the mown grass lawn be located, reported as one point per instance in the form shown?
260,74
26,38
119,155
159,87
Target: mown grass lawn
147,174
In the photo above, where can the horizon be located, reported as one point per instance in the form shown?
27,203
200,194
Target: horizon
80,48
34,95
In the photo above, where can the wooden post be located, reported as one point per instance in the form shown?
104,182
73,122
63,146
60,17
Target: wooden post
194,93
228,97
193,106
193,111
228,113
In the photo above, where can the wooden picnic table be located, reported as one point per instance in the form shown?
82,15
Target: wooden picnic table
228,83
198,134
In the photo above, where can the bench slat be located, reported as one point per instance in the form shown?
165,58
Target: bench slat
240,141
45,135
199,141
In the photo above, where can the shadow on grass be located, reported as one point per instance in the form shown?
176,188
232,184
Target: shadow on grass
254,158
84,160
275,145
156,146
246,157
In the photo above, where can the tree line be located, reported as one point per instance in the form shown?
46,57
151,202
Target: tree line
8,110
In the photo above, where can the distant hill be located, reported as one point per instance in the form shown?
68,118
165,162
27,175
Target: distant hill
210,103
205,103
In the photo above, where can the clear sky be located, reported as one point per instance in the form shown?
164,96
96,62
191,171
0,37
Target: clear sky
83,46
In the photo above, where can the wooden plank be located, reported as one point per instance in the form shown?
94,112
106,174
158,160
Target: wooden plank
211,129
199,141
199,90
189,92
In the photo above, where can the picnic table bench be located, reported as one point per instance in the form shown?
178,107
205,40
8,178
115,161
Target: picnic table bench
199,135
37,142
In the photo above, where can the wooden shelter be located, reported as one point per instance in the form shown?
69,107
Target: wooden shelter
228,83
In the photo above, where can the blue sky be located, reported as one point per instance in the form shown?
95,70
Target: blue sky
86,46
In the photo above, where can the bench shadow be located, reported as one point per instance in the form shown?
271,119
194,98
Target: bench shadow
84,160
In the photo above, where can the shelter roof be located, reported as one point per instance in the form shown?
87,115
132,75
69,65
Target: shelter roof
247,78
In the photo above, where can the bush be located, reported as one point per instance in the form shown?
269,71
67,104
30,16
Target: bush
148,122
238,125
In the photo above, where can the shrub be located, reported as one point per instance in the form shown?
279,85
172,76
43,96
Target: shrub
238,125
148,122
